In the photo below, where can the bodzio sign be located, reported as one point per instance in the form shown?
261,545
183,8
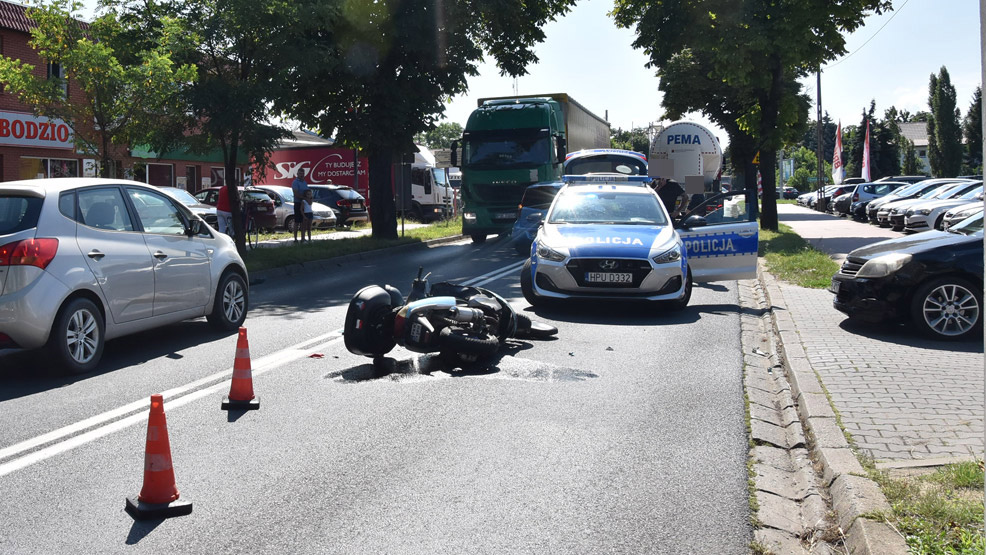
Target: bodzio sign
19,129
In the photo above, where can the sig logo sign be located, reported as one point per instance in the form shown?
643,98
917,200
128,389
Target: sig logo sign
26,130
684,140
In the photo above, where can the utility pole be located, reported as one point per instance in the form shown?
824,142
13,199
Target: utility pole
820,205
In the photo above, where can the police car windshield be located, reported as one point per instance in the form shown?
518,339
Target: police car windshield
575,206
606,163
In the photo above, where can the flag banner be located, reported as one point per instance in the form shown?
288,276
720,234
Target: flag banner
838,170
866,154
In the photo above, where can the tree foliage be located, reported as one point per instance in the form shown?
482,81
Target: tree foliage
884,144
441,136
755,48
399,62
246,52
972,126
944,130
631,139
124,93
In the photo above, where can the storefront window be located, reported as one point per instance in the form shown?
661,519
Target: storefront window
160,175
40,168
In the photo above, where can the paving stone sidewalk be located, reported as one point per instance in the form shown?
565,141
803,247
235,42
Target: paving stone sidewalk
901,396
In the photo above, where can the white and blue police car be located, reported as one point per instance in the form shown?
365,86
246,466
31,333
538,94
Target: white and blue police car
608,237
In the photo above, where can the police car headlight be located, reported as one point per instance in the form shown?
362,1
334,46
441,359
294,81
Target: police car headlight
672,255
548,253
883,266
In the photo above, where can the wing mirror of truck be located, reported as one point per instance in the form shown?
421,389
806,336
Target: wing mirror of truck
560,149
455,154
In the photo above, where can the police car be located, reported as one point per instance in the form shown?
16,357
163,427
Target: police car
608,237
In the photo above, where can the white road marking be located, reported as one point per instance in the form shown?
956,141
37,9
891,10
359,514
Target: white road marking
69,437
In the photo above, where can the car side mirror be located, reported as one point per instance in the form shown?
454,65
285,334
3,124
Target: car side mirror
561,150
694,221
193,228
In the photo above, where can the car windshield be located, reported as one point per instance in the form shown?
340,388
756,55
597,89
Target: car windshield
441,178
969,226
971,195
599,207
287,195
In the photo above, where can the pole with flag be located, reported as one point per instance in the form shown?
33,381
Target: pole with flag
866,155
838,170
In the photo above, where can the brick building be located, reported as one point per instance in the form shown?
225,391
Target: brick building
37,147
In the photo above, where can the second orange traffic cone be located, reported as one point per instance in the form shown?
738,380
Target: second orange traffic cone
241,395
159,495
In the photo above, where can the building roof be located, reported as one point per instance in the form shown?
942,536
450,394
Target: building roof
302,138
14,16
916,132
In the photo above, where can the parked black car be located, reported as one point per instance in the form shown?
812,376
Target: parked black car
932,279
348,205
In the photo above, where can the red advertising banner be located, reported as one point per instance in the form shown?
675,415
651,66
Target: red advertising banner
322,165
19,129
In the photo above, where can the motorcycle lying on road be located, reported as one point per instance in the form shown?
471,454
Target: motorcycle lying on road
462,323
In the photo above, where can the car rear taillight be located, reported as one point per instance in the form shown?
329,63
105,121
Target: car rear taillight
29,252
344,203
855,197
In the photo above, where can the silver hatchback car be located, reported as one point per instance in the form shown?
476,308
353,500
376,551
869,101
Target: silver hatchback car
86,260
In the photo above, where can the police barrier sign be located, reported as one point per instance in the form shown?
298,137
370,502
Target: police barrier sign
19,129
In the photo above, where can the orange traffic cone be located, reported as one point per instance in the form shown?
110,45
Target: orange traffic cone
159,495
241,389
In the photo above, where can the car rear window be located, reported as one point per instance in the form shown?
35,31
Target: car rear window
256,196
18,213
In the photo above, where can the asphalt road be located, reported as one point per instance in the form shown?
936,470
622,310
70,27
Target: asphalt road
626,434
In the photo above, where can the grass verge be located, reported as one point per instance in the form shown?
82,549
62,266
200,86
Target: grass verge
792,259
940,512
266,258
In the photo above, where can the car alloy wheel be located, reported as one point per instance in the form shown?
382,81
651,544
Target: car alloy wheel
231,302
76,340
947,308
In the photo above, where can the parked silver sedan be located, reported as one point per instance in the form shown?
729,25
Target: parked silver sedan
322,216
86,260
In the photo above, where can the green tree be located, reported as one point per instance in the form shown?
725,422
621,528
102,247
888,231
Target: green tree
401,61
247,53
972,126
944,131
441,136
123,96
756,47
884,145
633,139
911,163
829,129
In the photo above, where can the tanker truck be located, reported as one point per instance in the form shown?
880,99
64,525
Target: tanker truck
512,142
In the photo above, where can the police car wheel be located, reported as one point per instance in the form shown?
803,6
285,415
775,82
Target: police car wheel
681,303
526,286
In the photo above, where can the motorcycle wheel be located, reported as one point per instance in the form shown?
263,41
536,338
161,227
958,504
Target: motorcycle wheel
529,329
455,341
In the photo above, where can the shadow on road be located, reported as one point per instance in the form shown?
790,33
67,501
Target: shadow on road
25,373
905,335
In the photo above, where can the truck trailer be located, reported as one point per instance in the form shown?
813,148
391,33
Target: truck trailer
512,142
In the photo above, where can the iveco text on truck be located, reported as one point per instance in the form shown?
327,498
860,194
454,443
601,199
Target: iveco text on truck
512,142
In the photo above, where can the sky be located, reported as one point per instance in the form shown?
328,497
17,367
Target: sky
588,57
890,61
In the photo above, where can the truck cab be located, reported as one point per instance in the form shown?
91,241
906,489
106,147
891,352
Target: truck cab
430,196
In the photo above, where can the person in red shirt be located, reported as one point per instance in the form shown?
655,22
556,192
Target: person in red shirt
223,211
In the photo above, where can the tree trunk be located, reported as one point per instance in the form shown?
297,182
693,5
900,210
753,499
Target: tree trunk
383,211
768,202
232,190
770,105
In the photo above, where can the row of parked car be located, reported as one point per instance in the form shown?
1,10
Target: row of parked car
272,206
933,277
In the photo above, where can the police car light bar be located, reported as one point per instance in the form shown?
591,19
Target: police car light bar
595,179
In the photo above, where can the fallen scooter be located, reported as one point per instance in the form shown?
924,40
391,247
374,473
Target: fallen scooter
462,323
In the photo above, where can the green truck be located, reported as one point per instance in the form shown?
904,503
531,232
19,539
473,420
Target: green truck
512,142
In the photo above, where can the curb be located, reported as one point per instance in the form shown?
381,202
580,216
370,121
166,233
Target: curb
853,493
326,264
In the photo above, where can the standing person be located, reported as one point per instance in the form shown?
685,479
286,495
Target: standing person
309,215
224,212
299,188
672,195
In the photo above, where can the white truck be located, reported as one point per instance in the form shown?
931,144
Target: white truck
426,194
687,153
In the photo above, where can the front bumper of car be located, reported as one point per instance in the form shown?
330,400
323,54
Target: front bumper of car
321,220
570,279
916,222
